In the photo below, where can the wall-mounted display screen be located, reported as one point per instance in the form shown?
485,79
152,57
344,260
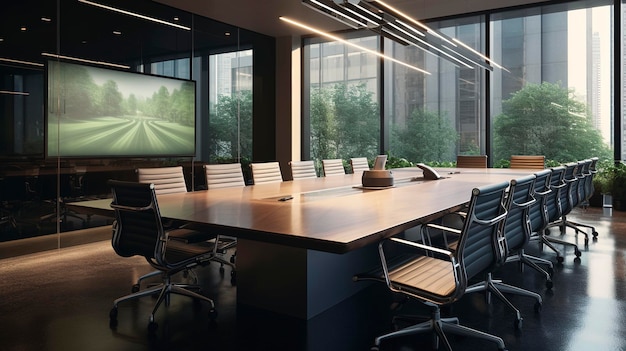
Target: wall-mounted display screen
95,111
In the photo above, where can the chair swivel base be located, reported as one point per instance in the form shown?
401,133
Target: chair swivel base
440,326
164,290
489,285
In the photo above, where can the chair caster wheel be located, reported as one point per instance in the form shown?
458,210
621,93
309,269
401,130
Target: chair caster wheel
212,314
232,259
549,284
577,253
135,288
517,324
113,318
560,259
152,327
595,234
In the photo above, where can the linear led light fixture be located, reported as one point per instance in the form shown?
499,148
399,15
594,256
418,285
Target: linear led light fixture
115,9
336,38
479,54
21,62
402,28
102,63
412,20
329,11
8,92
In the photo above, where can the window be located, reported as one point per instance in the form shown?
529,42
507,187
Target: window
555,96
230,106
342,96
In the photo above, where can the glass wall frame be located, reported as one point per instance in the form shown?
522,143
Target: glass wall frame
35,187
471,101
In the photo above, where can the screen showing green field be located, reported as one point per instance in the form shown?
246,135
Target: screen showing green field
95,111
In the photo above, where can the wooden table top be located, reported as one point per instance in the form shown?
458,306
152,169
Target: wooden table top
332,214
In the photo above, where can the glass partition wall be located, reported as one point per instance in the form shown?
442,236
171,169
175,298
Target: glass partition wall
129,85
553,94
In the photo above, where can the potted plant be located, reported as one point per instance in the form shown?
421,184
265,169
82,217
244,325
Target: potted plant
611,180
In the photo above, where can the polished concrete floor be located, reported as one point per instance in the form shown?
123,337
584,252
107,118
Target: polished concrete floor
60,300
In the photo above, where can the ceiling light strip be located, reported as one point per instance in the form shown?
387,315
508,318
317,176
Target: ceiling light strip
22,62
414,21
102,63
312,7
361,16
14,92
336,38
338,13
479,54
134,14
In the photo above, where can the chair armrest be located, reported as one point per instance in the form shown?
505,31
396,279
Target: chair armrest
430,250
423,247
443,228
525,204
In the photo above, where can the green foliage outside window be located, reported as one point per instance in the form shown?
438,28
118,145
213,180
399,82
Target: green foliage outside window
427,137
345,122
230,128
545,119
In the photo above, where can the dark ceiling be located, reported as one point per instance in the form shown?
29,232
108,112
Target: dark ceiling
29,28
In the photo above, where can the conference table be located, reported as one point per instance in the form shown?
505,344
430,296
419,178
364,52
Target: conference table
300,242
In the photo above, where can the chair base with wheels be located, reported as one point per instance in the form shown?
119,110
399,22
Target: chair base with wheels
439,327
138,231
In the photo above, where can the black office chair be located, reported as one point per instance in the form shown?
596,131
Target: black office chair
580,196
538,222
439,276
138,230
557,204
516,231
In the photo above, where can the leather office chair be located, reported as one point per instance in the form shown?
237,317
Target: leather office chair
516,231
359,164
138,230
167,180
219,176
267,172
224,175
439,277
557,204
538,222
171,180
471,161
333,167
537,162
580,196
302,169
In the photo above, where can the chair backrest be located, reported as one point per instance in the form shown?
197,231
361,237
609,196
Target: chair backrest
568,197
333,167
517,228
266,172
138,229
359,164
553,199
536,211
471,161
224,175
583,174
481,245
592,171
528,161
166,180
303,169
